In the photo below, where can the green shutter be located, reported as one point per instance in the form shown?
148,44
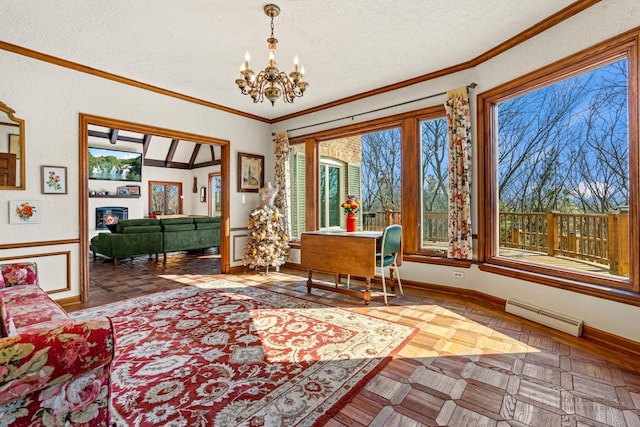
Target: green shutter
354,186
298,193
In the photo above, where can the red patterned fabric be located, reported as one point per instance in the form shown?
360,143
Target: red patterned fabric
7,327
239,355
54,371
15,274
31,306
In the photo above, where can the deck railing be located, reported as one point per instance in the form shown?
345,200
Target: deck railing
602,239
434,230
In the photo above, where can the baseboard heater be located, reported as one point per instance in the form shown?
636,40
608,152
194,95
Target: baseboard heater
557,321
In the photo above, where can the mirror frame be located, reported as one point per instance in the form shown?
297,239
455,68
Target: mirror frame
10,112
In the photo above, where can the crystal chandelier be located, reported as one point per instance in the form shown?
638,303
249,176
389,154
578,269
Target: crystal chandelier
272,82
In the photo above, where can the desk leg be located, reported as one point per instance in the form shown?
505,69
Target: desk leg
337,279
309,275
367,291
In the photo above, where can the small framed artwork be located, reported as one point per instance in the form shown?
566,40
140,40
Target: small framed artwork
203,194
124,191
54,179
14,145
24,211
250,172
134,190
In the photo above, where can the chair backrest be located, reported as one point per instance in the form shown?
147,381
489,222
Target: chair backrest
391,239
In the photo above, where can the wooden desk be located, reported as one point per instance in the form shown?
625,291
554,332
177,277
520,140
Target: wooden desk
340,252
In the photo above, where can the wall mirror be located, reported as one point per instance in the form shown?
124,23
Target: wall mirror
12,171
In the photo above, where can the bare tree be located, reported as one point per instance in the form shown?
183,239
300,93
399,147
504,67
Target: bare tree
381,170
435,171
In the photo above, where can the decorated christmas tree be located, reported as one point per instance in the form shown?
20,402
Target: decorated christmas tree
268,244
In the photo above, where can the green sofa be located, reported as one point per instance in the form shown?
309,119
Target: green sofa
189,233
129,237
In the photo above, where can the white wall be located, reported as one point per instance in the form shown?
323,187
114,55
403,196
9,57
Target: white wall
50,98
600,22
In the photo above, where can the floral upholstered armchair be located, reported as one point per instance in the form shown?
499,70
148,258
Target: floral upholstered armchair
54,371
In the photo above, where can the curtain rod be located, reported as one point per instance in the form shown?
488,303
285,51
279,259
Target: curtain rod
469,86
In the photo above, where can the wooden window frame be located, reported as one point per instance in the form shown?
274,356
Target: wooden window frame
620,47
411,147
165,184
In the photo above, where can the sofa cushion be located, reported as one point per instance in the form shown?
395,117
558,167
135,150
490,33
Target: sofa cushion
141,229
174,221
179,227
207,226
207,219
135,223
7,327
25,273
30,305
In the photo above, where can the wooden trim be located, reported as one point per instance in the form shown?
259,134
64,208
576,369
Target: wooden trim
120,79
411,158
225,244
65,302
600,291
549,22
237,269
436,260
85,121
48,254
312,173
610,341
37,244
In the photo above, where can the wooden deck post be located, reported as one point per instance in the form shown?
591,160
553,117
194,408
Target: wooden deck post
612,241
618,241
552,233
623,242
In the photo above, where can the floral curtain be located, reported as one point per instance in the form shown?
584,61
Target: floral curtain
281,154
459,134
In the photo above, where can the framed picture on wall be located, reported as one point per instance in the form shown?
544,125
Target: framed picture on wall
54,179
124,191
24,211
250,172
134,190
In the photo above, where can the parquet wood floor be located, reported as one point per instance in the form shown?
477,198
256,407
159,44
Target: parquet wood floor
471,364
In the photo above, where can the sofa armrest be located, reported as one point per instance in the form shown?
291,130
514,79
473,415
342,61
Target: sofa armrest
38,358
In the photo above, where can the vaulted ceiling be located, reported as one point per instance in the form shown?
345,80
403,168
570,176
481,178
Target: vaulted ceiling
196,47
157,150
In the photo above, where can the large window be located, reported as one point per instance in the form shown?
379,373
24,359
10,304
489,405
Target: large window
331,193
560,187
435,185
165,198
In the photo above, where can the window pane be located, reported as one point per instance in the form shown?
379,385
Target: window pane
334,194
297,183
563,173
435,185
157,198
173,199
381,179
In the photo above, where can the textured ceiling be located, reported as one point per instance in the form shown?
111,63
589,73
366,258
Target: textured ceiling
195,47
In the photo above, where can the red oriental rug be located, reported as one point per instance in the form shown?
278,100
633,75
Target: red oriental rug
229,354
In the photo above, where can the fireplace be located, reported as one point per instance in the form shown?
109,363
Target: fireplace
108,215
